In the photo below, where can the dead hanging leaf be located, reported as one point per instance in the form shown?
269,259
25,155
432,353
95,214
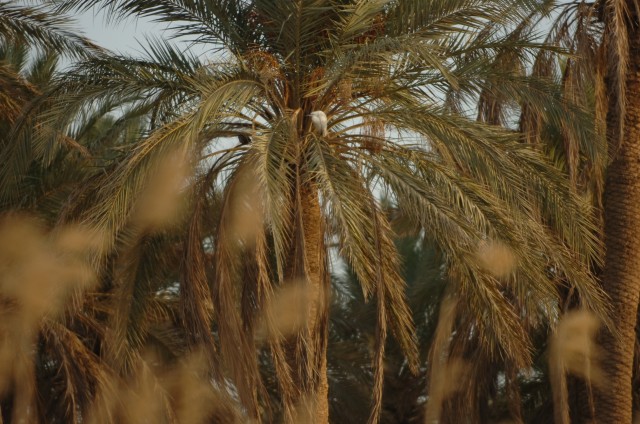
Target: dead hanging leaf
286,313
573,347
161,200
496,258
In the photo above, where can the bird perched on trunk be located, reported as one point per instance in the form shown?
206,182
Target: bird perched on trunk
319,121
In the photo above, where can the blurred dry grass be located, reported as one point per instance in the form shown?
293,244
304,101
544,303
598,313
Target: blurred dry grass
445,382
574,346
285,313
496,258
160,202
40,270
246,221
447,374
177,393
43,270
573,350
40,273
160,392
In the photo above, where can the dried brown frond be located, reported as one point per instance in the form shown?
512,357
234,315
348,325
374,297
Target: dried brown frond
236,340
246,217
306,265
41,272
268,327
167,392
616,18
195,291
392,308
438,358
87,383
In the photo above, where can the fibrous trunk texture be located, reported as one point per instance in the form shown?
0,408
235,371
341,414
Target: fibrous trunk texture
621,274
308,352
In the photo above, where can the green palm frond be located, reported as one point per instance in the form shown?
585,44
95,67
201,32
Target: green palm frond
219,24
361,226
39,26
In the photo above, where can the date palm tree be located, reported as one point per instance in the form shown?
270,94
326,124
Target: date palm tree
23,27
392,78
32,40
620,274
603,38
50,369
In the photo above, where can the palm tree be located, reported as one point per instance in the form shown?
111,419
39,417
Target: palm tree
51,368
380,72
620,273
32,41
603,36
352,332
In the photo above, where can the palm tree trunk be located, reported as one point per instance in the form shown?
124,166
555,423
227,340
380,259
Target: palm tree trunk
307,267
621,274
317,318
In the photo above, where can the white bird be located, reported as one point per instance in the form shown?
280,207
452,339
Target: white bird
319,121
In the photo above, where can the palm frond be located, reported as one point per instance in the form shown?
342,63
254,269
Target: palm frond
39,26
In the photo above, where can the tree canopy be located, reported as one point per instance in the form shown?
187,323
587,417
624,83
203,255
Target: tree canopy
214,198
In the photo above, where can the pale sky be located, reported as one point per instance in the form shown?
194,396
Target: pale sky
124,36
121,37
